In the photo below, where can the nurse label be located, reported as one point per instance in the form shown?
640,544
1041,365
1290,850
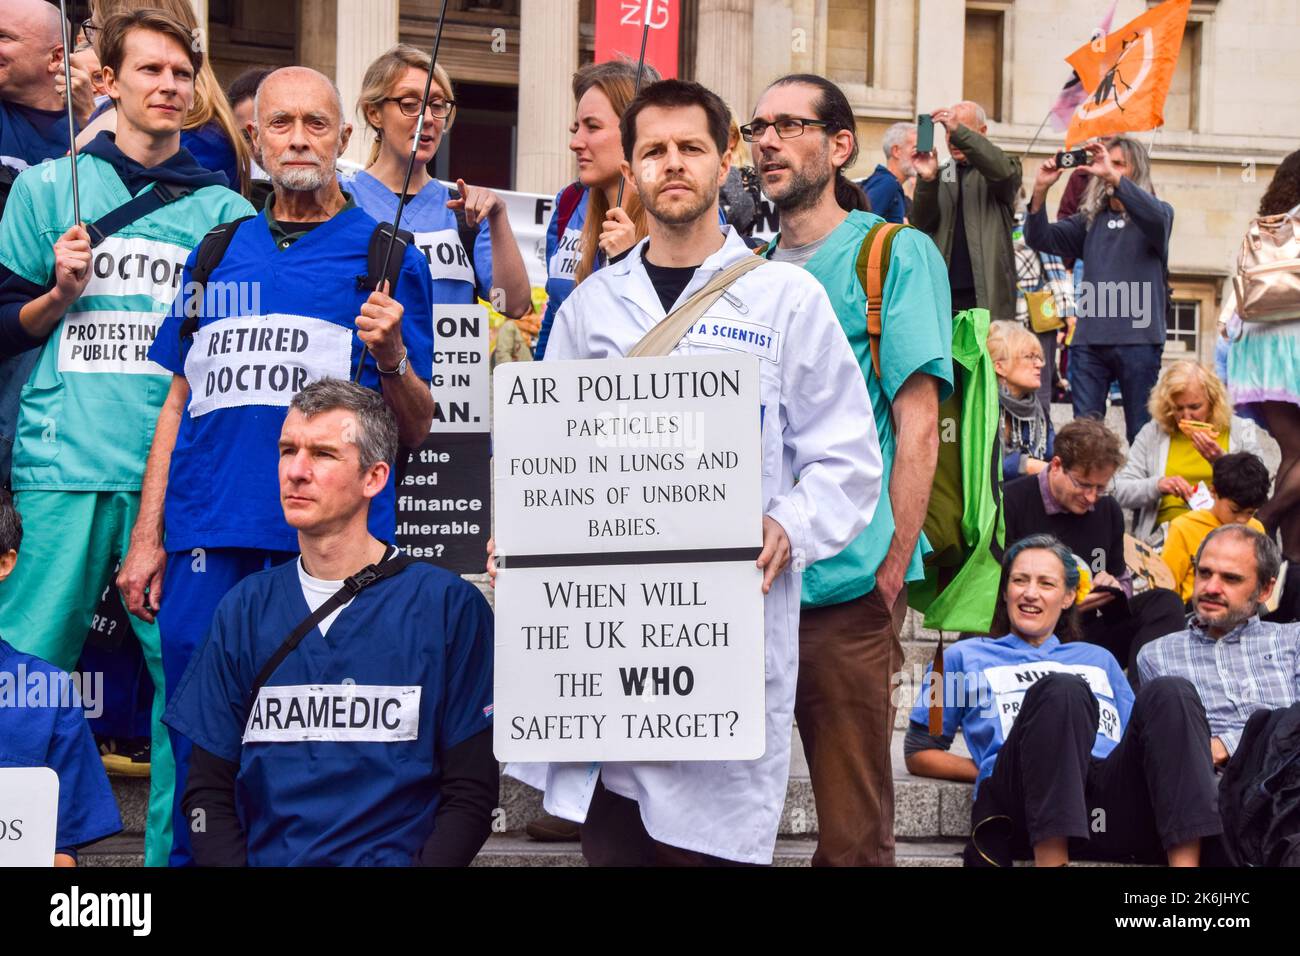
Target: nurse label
1010,683
258,360
334,712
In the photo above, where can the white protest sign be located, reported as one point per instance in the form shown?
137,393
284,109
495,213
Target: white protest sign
628,455
460,369
29,816
629,612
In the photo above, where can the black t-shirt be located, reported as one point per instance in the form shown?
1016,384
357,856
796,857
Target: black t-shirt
669,281
960,273
1098,532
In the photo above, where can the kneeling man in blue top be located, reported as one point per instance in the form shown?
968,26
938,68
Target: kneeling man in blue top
854,603
816,426
88,410
1064,760
286,305
370,742
52,731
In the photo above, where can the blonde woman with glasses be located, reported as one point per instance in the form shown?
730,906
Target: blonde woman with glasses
466,238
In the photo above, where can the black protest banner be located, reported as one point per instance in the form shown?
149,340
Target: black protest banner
443,505
444,499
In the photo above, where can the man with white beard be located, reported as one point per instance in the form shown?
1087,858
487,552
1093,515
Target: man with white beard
282,305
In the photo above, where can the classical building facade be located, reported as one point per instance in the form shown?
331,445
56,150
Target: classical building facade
1230,118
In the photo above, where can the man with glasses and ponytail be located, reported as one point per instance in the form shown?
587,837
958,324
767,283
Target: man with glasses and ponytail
803,138
1069,499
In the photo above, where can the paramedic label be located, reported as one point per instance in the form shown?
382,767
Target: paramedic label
629,611
446,255
258,360
136,267
337,712
1010,682
115,342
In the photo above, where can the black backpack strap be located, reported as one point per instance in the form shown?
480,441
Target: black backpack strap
212,249
353,586
139,207
468,234
375,252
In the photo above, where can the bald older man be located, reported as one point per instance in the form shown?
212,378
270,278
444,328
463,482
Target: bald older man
33,125
967,206
285,306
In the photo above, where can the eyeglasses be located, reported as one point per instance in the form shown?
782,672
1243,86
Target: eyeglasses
787,128
1083,486
410,106
1033,358
88,30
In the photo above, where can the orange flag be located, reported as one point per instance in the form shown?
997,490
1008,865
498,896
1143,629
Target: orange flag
1127,74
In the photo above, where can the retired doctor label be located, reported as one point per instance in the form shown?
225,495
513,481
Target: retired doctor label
629,612
263,360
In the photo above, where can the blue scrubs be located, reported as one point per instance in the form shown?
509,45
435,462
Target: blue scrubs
289,318
339,757
456,279
54,734
563,253
985,679
29,136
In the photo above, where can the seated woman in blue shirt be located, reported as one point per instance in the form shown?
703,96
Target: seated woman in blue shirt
1064,760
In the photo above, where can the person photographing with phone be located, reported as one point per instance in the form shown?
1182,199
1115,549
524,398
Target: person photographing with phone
1121,233
967,206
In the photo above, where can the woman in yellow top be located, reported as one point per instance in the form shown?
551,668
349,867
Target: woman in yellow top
1241,484
1191,427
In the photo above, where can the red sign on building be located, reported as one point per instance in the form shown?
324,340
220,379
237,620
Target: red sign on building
619,24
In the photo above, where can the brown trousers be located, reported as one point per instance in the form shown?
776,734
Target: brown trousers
613,835
848,656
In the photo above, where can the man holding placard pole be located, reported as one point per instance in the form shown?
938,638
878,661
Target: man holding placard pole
736,329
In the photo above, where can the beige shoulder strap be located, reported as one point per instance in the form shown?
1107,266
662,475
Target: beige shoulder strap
663,338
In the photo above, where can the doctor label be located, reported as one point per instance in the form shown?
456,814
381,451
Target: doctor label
1011,682
258,360
335,712
446,255
136,267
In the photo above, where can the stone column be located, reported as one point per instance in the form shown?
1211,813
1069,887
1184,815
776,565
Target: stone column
548,58
725,50
940,50
366,28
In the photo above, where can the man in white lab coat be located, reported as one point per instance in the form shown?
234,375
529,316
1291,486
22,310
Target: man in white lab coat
817,427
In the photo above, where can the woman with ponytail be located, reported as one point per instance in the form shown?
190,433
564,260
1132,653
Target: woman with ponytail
210,133
587,227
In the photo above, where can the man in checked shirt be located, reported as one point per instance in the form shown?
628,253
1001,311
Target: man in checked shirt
1237,663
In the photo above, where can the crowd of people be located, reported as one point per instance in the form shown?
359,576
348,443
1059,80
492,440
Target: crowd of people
319,698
